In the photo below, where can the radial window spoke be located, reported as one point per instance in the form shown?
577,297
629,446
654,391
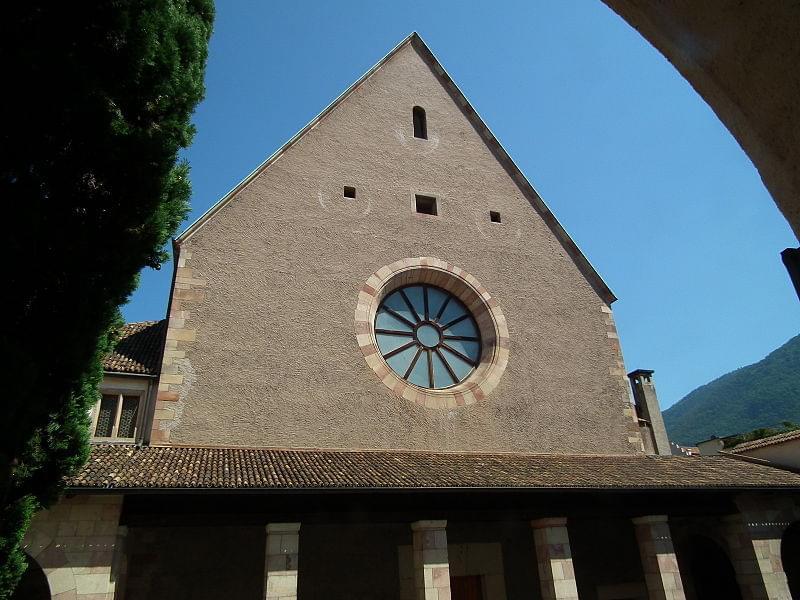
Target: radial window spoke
389,343
462,329
394,332
419,374
460,367
469,349
410,305
386,320
399,350
463,357
400,361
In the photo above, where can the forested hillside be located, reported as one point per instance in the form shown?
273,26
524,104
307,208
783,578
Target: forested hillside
759,395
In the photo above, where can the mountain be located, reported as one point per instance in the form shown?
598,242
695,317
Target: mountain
759,395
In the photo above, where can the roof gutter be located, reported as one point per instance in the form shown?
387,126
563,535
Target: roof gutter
416,490
126,374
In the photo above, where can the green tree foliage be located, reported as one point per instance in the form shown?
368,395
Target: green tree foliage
96,106
760,434
757,396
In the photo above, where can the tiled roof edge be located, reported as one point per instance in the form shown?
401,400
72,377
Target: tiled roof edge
778,438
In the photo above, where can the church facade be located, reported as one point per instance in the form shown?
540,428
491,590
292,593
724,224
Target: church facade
387,372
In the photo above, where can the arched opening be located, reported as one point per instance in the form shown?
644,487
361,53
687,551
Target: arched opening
33,585
420,123
706,571
790,557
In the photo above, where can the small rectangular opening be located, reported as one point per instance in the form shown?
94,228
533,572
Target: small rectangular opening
349,191
426,205
494,216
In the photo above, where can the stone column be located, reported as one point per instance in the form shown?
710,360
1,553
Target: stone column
431,563
119,564
280,570
659,563
554,559
754,544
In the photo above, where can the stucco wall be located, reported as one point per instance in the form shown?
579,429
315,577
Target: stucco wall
786,454
272,359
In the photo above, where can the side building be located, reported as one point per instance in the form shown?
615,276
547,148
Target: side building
388,372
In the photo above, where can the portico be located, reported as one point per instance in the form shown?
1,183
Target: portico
408,543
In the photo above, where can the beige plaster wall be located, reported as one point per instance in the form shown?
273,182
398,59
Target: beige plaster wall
786,454
267,354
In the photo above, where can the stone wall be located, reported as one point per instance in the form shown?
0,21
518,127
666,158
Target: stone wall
80,547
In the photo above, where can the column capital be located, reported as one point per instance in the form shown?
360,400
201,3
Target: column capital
549,522
423,525
650,519
279,528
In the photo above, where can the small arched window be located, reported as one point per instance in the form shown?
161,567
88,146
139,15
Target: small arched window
420,124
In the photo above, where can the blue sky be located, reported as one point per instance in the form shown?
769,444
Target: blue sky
634,164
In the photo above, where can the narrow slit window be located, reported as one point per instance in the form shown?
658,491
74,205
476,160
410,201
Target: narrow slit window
349,191
426,205
494,216
420,123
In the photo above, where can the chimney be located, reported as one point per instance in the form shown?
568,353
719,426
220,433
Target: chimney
650,420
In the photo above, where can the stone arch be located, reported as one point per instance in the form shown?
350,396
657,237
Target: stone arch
49,557
75,544
706,568
741,59
34,584
790,557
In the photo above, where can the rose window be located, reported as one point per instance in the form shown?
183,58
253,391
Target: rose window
427,336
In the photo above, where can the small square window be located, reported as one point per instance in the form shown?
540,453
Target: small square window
494,216
349,191
426,205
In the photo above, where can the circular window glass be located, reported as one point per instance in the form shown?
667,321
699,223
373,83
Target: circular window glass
427,336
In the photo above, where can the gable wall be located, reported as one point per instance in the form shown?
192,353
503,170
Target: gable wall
261,349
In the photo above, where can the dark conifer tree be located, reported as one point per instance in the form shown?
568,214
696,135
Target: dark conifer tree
96,105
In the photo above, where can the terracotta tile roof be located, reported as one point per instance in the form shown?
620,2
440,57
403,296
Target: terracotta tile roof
175,467
138,349
767,441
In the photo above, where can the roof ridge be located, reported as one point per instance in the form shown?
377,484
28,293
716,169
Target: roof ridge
344,450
